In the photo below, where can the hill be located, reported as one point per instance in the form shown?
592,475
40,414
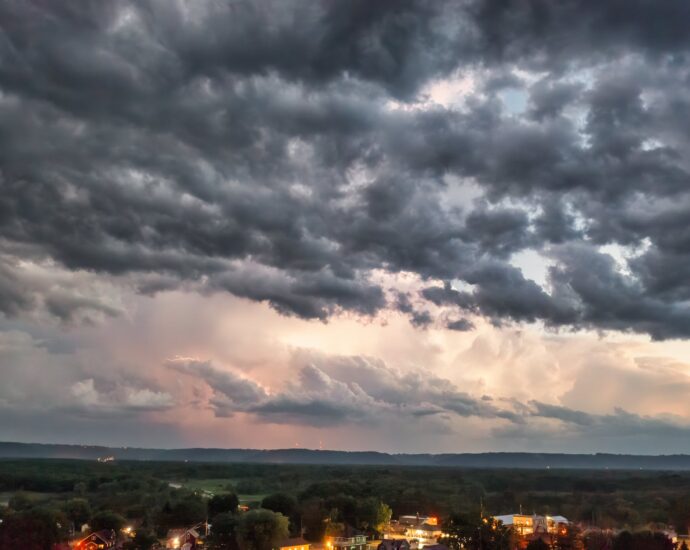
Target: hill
310,456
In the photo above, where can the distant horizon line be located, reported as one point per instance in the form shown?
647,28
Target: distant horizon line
321,450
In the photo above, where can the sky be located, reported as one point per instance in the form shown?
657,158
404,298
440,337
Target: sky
449,226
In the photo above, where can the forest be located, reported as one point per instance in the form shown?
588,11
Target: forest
52,499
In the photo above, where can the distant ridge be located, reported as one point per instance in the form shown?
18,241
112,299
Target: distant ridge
309,456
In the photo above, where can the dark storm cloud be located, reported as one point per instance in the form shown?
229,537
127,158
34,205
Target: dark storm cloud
604,298
460,325
550,34
498,232
501,291
284,152
620,423
418,318
548,99
63,296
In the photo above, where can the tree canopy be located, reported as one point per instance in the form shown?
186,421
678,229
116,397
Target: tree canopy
261,529
225,502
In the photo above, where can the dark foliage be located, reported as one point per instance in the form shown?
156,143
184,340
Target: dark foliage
224,503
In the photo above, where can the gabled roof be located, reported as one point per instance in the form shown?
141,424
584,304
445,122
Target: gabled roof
194,530
425,527
181,531
559,519
105,535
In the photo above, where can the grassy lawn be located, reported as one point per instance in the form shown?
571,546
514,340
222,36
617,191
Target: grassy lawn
216,486
245,499
211,485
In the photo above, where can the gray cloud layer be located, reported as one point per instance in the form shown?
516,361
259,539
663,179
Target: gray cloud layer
332,390
252,148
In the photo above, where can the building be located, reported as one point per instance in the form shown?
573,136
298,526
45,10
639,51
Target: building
528,528
519,523
357,542
425,534
99,540
296,543
419,531
526,525
417,520
186,539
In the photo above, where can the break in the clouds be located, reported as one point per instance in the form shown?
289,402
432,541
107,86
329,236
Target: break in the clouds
473,165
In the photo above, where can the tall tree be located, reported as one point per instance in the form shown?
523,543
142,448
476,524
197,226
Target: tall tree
77,511
281,503
223,503
224,531
314,518
373,515
106,519
485,534
261,529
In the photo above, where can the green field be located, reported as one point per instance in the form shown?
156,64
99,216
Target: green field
216,486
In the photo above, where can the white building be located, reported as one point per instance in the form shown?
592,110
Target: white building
526,525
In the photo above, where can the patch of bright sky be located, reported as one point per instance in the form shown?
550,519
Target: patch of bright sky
650,144
622,254
514,100
461,286
533,265
448,92
580,223
451,91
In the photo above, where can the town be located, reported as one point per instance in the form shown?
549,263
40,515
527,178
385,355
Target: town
80,505
505,532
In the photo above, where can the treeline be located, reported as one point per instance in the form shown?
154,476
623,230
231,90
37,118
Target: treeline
318,500
492,460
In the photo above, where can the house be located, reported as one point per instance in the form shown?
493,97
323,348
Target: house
357,542
295,543
419,531
557,525
186,539
417,520
107,538
426,534
519,523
